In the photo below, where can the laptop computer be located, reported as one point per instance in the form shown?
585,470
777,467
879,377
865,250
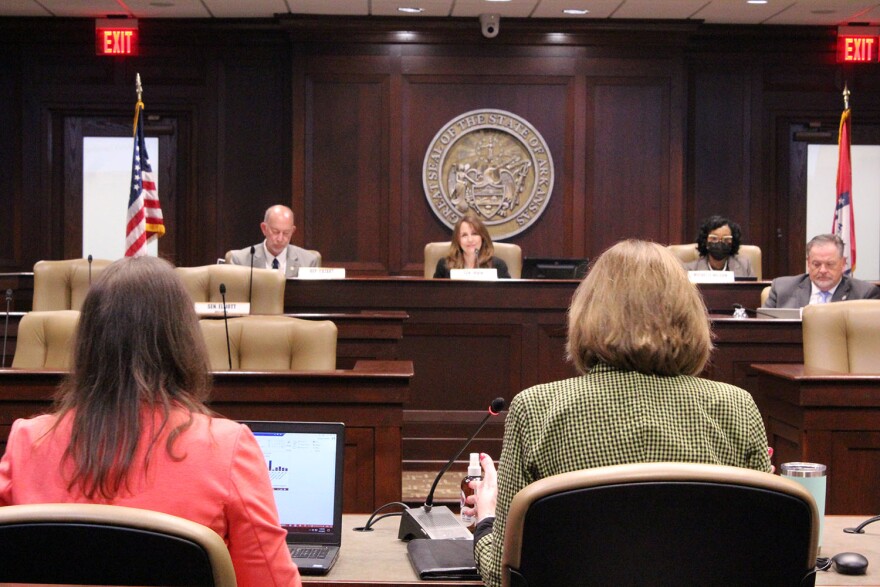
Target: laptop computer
305,466
779,313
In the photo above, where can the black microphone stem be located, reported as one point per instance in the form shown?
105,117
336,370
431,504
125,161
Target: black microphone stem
251,281
226,324
90,271
6,327
429,502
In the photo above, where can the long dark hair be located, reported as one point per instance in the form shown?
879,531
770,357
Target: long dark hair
138,345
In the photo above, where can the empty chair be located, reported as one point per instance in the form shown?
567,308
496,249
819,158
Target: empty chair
843,336
92,544
661,524
63,285
688,253
45,340
271,343
507,252
266,296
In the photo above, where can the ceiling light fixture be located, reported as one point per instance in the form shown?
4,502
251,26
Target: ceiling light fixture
410,9
756,1
576,11
497,0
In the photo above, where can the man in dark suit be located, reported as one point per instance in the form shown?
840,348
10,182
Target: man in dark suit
276,252
824,281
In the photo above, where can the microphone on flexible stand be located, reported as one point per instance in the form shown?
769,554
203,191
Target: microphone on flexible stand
430,521
90,270
226,323
251,282
6,327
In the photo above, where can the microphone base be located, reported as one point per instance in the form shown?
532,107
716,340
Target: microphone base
439,523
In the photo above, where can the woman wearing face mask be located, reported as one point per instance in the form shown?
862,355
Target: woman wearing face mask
718,245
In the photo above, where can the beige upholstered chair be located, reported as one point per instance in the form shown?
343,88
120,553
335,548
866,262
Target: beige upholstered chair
765,293
271,343
843,336
623,525
688,253
203,285
507,252
63,285
228,256
45,340
97,544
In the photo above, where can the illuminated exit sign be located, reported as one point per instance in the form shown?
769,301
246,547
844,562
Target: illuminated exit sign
858,44
116,36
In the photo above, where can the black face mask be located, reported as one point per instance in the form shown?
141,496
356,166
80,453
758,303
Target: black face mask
719,251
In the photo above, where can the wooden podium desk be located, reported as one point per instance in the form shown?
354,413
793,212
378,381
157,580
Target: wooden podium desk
830,418
473,341
368,399
360,335
378,558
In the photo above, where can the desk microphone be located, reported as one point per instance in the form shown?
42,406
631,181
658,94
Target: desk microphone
6,327
90,270
429,521
226,323
251,282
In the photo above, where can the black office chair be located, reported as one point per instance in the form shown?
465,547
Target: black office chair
661,524
108,545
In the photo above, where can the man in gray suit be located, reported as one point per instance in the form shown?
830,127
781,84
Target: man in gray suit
824,282
276,252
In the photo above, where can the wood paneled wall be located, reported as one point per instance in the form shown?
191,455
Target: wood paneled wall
652,126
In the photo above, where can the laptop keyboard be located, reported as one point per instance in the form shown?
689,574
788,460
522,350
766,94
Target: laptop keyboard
309,551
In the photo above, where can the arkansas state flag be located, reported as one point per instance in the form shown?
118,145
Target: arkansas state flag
844,219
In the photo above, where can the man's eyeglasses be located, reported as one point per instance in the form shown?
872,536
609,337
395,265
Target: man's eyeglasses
715,239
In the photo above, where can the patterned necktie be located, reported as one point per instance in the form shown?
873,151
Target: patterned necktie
275,264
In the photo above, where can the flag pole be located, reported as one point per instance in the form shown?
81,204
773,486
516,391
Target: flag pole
845,94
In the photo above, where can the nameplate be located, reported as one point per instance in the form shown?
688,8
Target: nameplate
474,274
321,273
216,308
711,276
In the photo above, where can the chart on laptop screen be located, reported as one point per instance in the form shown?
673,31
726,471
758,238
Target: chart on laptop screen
302,470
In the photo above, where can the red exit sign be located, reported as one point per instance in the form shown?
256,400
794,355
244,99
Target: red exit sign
858,44
116,36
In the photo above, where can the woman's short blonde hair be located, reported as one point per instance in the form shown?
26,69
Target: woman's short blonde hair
637,310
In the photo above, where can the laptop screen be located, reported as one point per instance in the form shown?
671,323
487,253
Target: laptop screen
305,467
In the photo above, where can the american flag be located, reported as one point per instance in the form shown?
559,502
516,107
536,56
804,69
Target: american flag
844,217
144,213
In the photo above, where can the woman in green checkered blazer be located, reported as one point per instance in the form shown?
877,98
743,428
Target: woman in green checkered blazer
638,332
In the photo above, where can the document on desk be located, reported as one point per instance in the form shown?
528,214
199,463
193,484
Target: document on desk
443,559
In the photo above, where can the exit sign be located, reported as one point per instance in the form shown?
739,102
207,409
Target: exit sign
116,36
858,44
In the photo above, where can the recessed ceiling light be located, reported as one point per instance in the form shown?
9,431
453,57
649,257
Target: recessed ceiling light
756,1
411,9
577,11
497,0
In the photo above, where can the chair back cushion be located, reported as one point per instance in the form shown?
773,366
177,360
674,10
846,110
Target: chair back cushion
843,336
45,340
271,343
63,285
661,523
507,252
108,545
688,253
203,285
